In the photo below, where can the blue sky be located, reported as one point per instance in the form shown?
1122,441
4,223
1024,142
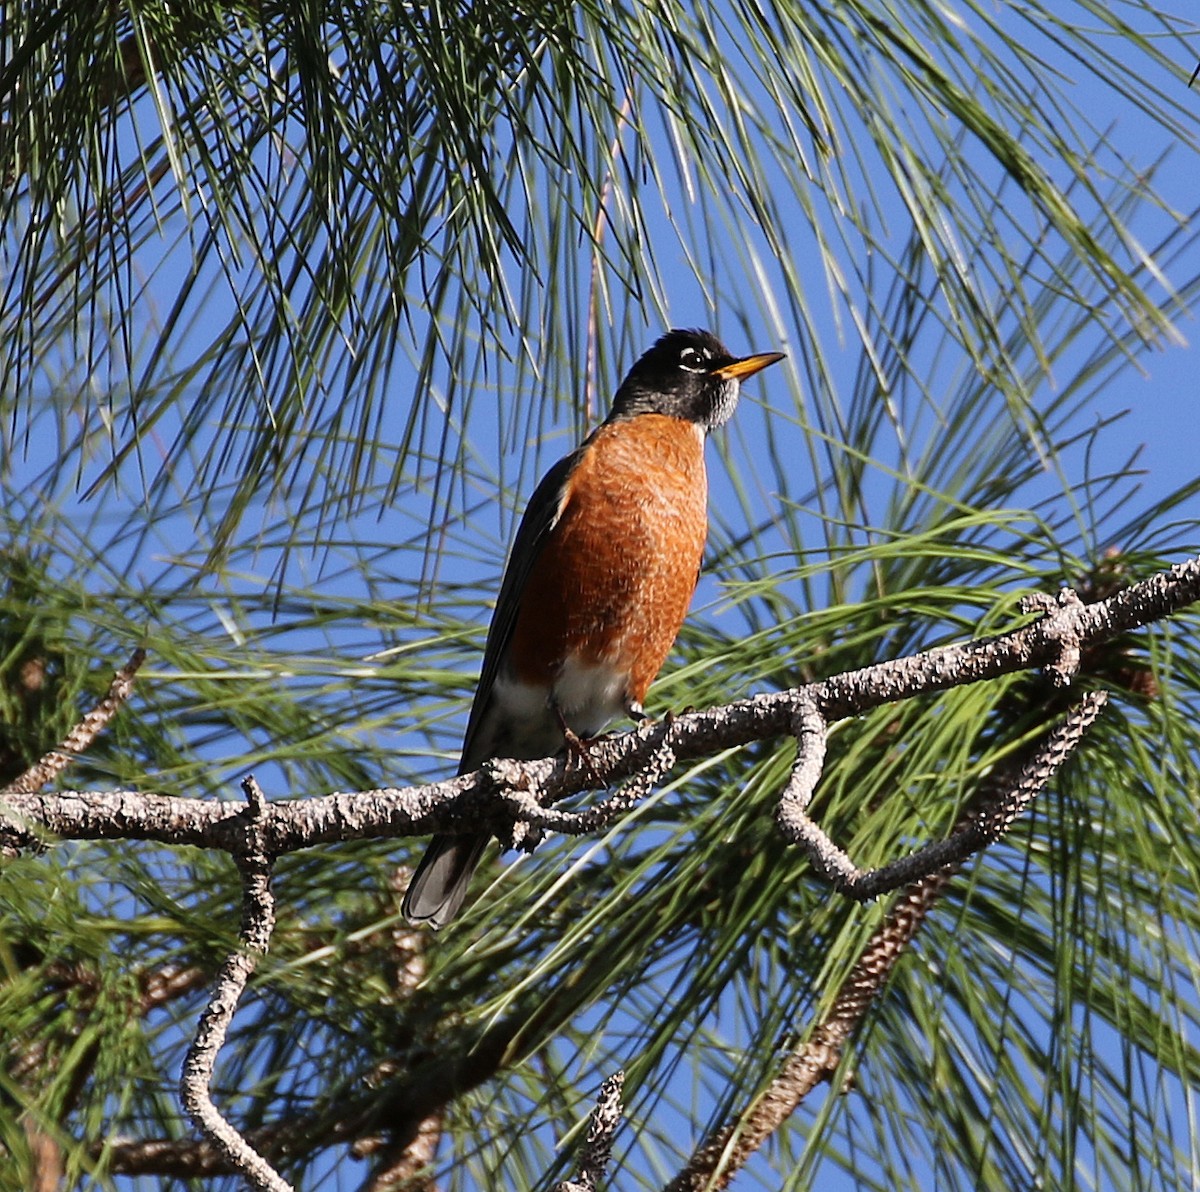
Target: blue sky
1159,405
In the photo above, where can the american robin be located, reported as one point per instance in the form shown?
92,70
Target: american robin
599,580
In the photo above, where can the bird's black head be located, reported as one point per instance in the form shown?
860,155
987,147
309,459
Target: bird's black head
688,374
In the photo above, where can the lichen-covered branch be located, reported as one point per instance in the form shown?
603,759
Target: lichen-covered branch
479,800
597,1147
1004,795
258,921
51,764
968,838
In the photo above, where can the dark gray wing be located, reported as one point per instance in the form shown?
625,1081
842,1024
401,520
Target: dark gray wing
540,517
440,883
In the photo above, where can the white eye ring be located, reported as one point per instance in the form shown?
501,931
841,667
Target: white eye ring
690,353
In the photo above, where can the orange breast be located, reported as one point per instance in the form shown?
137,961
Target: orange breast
614,581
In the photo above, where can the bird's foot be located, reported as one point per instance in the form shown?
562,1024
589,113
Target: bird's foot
579,754
638,713
635,711
578,750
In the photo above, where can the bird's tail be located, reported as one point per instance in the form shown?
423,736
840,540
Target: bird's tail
440,884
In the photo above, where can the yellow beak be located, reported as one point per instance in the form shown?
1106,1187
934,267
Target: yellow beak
747,366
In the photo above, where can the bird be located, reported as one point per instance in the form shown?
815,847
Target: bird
602,569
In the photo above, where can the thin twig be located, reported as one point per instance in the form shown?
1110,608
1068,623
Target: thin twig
836,866
258,921
51,764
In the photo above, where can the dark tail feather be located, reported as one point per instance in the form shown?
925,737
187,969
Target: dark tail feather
440,884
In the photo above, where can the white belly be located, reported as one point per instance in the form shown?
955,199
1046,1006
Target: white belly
590,696
521,723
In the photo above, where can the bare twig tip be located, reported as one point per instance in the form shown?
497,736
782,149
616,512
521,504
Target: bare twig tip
254,796
597,1150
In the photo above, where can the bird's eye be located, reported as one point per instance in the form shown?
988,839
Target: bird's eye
694,359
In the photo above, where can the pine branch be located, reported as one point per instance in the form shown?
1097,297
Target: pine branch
505,791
